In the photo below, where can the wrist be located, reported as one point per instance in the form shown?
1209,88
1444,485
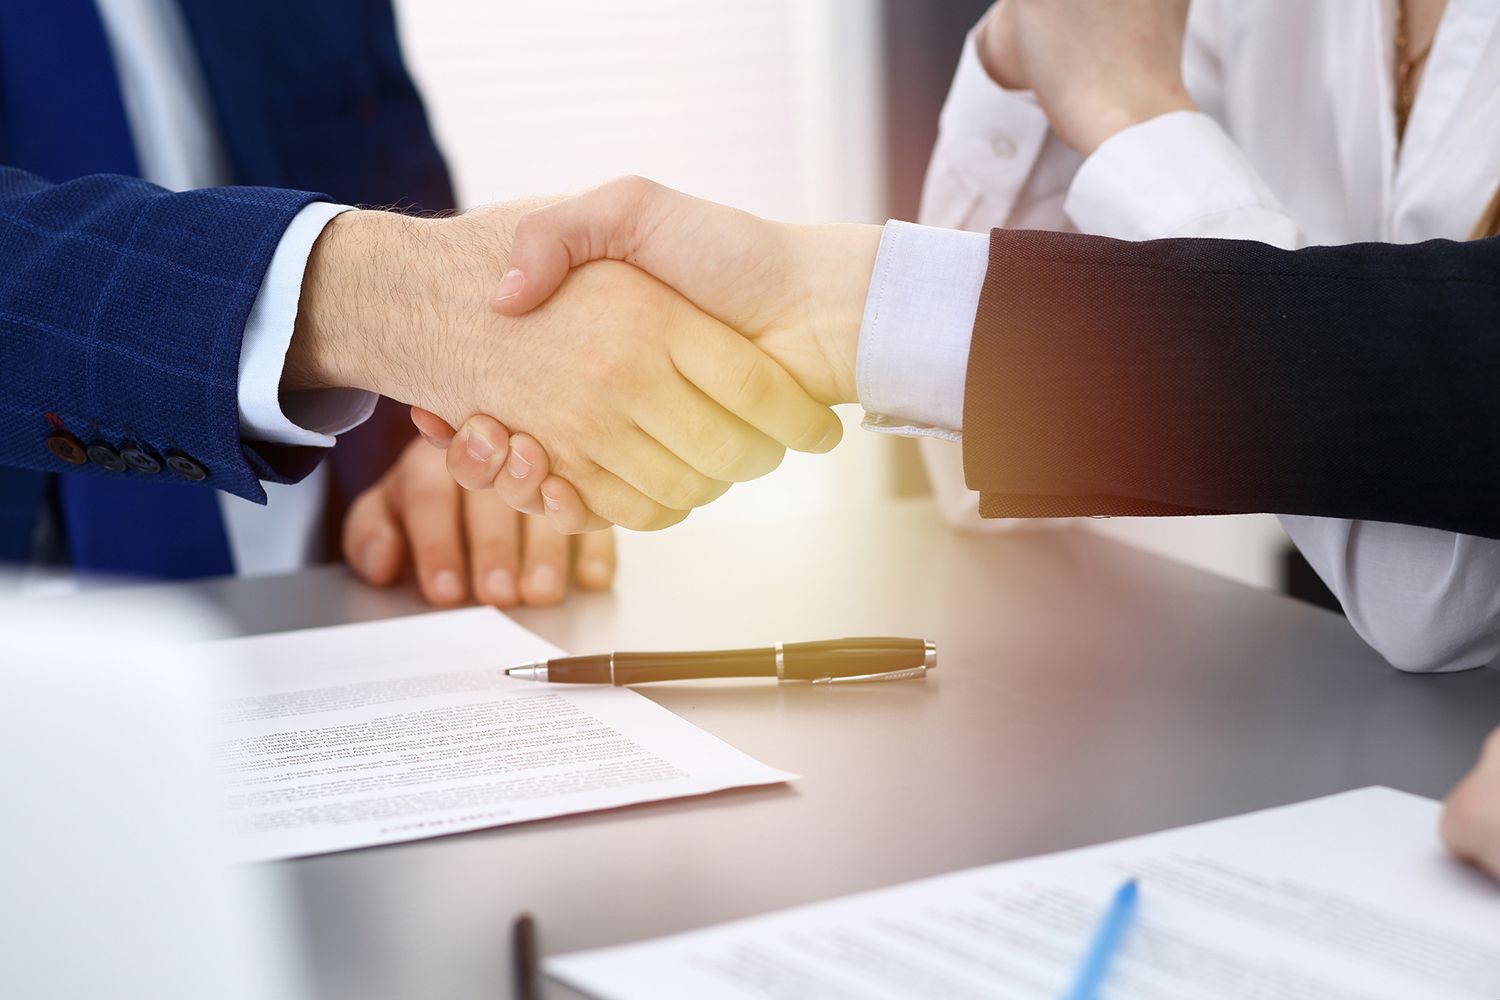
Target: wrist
1101,123
324,352
839,261
369,291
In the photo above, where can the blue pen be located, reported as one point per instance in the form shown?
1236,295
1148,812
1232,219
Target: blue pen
1106,944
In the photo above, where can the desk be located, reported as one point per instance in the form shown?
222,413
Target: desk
1086,691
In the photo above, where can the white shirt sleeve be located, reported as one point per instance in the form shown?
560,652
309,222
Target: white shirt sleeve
311,418
997,163
1179,174
986,160
1426,600
918,323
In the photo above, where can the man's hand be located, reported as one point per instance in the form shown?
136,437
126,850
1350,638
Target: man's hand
647,404
1096,66
796,292
1471,816
462,544
523,480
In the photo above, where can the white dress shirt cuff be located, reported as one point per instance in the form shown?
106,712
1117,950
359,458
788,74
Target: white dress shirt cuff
1179,174
310,418
988,135
918,323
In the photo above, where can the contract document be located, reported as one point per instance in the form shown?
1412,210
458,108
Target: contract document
1344,898
368,734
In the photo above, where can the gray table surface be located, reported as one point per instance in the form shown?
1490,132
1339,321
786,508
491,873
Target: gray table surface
1086,692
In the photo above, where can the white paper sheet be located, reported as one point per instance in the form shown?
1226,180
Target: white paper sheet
1343,898
371,734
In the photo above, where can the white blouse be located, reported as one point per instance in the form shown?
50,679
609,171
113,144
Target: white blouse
1295,145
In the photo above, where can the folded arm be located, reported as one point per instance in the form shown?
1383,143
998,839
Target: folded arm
1425,599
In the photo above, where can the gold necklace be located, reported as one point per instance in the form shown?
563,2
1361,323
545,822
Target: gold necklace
1406,70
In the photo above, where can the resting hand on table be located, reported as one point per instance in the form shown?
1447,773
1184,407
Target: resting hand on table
796,293
645,401
1471,816
1096,66
461,545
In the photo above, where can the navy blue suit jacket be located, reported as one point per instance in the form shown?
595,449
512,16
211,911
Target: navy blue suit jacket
122,305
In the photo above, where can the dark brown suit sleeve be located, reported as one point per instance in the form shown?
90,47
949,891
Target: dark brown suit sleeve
1203,376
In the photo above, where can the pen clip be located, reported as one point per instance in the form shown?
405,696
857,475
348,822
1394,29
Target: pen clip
910,673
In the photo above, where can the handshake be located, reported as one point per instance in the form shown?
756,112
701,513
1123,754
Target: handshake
621,357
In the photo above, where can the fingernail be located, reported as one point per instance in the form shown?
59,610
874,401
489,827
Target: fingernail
544,579
551,502
446,586
372,556
501,586
510,285
834,435
519,467
479,446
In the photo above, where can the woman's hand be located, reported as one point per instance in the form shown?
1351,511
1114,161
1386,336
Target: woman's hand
1096,66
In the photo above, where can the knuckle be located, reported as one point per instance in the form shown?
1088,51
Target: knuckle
633,187
634,519
645,515
467,472
728,457
740,458
674,490
616,369
665,518
695,490
523,505
755,385
813,432
768,461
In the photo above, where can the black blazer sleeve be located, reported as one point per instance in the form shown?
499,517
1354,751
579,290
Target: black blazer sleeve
1198,376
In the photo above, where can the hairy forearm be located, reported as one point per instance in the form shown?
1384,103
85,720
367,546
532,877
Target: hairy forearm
345,266
379,291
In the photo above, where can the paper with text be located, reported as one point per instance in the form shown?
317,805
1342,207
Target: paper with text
369,734
1349,897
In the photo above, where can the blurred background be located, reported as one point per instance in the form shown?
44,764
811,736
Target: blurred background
799,110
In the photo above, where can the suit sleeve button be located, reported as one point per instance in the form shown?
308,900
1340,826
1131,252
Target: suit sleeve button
66,447
105,457
141,460
186,466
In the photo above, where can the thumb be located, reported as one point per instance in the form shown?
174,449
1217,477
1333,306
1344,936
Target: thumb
700,249
549,242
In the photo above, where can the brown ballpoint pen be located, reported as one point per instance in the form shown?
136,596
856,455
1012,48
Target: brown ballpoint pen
833,661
